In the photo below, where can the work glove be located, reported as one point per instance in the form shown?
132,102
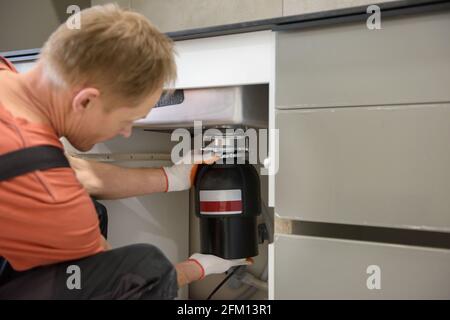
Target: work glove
181,175
211,264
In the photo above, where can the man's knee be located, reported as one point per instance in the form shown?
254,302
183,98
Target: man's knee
150,264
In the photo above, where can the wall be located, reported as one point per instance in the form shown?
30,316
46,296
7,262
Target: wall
26,24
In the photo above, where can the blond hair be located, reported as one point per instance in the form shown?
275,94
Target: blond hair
118,51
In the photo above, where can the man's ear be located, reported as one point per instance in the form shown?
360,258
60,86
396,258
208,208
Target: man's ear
84,98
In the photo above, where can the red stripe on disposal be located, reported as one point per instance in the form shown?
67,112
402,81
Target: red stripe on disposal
220,206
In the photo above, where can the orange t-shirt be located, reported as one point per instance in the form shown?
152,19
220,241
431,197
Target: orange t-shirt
46,216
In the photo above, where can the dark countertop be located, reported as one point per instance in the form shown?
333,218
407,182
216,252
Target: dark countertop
389,9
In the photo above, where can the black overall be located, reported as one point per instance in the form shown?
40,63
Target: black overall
133,272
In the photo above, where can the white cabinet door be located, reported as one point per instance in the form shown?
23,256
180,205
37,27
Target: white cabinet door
381,166
407,61
321,268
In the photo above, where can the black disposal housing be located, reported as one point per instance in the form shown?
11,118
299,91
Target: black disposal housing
228,201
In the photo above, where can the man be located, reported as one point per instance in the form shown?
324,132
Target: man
88,86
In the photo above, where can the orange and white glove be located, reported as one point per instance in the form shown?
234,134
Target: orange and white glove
211,264
181,175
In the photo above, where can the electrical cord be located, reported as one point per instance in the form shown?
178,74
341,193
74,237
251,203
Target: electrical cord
223,282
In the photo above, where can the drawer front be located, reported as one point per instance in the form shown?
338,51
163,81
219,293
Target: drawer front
385,166
319,268
407,61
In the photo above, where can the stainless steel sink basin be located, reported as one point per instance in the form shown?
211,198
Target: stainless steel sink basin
237,106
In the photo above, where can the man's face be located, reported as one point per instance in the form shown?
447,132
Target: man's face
101,121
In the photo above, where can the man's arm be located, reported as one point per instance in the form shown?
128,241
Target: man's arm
187,272
108,182
200,265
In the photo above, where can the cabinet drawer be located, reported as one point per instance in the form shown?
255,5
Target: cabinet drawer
407,61
385,166
320,268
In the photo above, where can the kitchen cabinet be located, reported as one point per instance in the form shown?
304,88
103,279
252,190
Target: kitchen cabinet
343,65
324,268
381,166
178,15
363,118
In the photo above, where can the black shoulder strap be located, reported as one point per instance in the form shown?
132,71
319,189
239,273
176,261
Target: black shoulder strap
30,159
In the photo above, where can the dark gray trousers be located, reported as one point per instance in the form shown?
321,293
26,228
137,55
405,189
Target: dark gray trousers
133,272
